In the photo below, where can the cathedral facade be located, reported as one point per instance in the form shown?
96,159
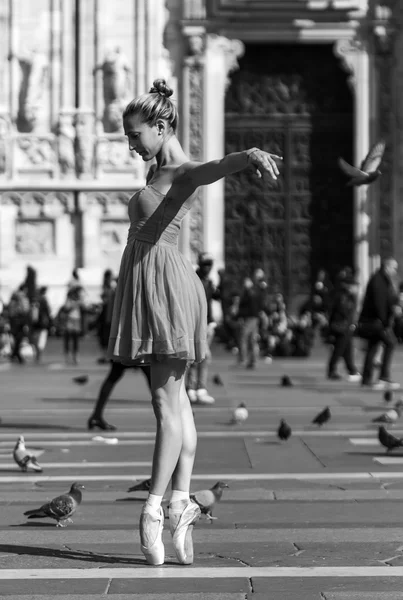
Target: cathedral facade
311,80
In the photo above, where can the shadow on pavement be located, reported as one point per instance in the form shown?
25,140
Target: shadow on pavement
69,555
7,425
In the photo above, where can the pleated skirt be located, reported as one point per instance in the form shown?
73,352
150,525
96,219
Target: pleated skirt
160,307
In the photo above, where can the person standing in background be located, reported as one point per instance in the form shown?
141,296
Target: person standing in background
376,324
197,374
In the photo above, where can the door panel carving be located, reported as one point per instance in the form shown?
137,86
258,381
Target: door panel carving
304,221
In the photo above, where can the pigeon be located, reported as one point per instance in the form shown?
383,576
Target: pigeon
322,417
206,499
389,441
143,486
61,508
368,171
81,379
286,381
23,458
388,395
391,415
217,380
284,430
240,414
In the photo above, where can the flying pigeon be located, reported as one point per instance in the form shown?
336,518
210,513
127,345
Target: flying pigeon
81,379
389,441
284,430
61,508
368,171
240,414
286,381
23,458
206,499
143,486
322,417
390,416
217,380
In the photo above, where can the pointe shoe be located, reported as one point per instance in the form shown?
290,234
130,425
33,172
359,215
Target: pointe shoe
181,527
151,526
100,423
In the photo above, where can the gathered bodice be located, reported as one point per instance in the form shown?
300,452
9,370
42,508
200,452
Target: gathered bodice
154,218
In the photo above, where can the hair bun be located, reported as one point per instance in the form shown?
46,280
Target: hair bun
160,87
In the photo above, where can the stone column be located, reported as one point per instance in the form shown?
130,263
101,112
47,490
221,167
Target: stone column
191,127
221,56
355,58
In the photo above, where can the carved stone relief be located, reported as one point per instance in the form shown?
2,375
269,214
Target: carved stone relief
84,144
113,236
4,134
33,237
116,88
39,204
304,220
113,156
34,73
35,153
66,135
195,103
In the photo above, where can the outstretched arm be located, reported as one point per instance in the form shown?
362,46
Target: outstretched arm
197,174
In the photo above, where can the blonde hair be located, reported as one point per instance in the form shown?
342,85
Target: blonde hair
154,105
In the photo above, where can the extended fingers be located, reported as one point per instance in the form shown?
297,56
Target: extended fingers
270,166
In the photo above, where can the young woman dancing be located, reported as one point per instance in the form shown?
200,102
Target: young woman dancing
160,312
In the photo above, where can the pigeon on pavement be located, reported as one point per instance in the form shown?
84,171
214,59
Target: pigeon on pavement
143,486
23,458
81,379
240,414
207,499
284,430
61,508
286,381
322,417
217,380
389,441
368,171
390,416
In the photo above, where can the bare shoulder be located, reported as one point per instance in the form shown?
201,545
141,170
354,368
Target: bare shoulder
185,169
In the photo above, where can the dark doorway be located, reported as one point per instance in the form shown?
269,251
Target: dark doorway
293,100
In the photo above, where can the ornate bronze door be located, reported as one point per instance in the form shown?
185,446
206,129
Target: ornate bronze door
293,101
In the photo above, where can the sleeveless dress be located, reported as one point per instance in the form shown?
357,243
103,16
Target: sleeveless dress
160,308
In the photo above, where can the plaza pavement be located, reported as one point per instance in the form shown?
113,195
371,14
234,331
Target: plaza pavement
316,518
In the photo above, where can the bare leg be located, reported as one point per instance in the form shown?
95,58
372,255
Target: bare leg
183,471
167,378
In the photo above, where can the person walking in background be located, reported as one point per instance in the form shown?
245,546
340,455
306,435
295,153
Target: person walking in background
72,314
42,323
197,375
19,313
115,374
251,306
103,324
342,318
376,324
160,309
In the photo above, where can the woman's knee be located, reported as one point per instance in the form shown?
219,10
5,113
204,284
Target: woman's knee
164,404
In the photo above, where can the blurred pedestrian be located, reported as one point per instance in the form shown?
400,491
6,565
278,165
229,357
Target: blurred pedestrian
115,374
376,324
42,324
104,320
342,319
197,374
73,316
